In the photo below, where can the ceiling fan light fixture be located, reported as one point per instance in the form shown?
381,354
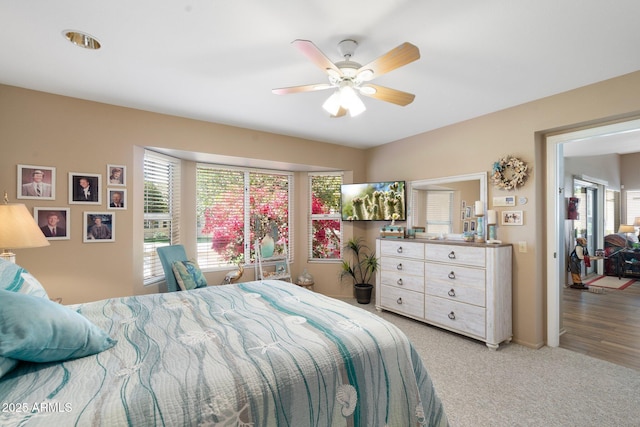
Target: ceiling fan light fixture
350,101
332,104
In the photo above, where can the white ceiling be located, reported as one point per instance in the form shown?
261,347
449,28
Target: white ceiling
218,60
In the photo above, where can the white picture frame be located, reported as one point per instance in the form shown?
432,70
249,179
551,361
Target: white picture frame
62,226
93,227
112,199
511,218
77,181
27,177
116,175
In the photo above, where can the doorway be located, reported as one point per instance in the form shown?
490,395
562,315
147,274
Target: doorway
557,192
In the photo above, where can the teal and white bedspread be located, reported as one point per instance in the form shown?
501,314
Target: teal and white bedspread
251,354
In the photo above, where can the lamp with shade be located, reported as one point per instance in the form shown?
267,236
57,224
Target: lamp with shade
18,230
626,229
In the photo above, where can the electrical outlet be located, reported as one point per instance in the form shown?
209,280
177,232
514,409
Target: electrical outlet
522,246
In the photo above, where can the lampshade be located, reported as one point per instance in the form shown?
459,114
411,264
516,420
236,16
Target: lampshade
636,223
18,230
347,98
624,228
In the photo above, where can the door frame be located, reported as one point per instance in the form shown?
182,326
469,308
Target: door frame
555,212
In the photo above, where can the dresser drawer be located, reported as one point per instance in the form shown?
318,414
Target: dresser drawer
468,319
402,301
442,273
457,292
402,248
465,255
402,280
403,266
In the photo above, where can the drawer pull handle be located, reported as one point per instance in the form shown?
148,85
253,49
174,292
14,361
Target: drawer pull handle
452,255
399,282
452,292
399,266
399,250
451,275
399,300
452,316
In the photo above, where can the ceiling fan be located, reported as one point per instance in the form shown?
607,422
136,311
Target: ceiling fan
350,78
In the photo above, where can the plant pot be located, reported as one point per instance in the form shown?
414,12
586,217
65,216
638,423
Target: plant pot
363,293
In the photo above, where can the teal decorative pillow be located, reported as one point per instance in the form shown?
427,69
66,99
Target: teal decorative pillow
16,279
188,275
38,330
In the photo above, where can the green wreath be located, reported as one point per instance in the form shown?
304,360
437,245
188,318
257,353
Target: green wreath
509,173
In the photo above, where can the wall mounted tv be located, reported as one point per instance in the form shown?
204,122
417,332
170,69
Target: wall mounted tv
373,201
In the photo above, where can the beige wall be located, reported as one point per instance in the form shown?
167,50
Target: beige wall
473,146
80,136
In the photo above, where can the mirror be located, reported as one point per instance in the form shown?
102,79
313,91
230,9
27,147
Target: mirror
437,204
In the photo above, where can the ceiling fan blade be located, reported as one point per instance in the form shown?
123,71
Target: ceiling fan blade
395,58
388,95
304,88
316,56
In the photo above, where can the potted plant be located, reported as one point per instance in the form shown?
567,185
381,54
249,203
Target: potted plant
360,268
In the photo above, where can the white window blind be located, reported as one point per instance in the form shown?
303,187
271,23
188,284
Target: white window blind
237,205
439,211
161,209
325,225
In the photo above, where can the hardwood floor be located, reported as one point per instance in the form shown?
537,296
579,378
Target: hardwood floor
605,326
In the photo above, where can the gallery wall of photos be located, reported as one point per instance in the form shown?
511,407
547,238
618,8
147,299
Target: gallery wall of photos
84,190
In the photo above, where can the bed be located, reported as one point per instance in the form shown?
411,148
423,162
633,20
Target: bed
264,353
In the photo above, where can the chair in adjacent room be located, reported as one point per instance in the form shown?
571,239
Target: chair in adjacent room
167,255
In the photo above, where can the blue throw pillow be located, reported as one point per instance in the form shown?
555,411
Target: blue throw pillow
38,330
188,275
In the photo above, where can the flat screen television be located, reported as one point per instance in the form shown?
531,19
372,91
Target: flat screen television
373,201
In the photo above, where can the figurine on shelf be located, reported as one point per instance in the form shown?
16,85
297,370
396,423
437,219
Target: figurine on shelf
578,255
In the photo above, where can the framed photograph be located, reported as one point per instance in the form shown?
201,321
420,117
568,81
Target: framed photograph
85,188
117,175
472,226
464,204
465,226
504,201
99,227
462,214
117,198
36,182
281,267
511,218
467,212
54,222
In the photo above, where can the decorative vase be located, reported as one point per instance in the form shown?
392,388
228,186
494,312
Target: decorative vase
363,292
267,246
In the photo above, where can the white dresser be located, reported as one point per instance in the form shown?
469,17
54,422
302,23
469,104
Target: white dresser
462,287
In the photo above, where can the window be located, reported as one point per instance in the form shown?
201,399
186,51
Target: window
439,212
633,206
161,209
325,226
235,206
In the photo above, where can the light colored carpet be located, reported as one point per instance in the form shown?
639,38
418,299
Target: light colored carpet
611,282
519,386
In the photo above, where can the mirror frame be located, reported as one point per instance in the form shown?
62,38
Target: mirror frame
411,185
